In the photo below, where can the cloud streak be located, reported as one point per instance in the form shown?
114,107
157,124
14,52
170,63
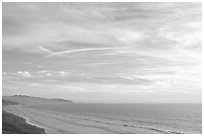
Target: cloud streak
77,51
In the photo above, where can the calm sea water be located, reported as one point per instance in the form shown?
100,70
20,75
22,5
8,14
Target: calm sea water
166,118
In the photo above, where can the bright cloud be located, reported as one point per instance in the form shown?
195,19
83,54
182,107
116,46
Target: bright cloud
25,74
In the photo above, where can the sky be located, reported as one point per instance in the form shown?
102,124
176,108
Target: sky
103,52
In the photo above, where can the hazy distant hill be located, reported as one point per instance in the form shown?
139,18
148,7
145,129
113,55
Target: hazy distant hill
7,102
26,100
60,100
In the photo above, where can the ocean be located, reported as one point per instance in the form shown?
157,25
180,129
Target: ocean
161,118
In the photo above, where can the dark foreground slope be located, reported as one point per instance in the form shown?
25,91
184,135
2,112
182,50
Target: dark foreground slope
12,124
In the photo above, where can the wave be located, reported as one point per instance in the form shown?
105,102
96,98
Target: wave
154,129
124,125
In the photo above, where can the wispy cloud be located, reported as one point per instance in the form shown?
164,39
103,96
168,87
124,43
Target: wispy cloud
45,50
141,49
79,51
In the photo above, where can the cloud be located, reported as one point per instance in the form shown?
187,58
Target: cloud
79,51
45,50
141,48
25,74
49,74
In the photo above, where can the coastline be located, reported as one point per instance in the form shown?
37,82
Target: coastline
72,124
14,124
46,120
31,122
56,121
28,121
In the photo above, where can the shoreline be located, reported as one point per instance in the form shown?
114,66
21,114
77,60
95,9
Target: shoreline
47,130
45,119
60,122
71,124
31,122
15,124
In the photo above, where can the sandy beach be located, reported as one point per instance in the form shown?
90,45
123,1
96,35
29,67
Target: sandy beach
62,117
58,123
55,122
